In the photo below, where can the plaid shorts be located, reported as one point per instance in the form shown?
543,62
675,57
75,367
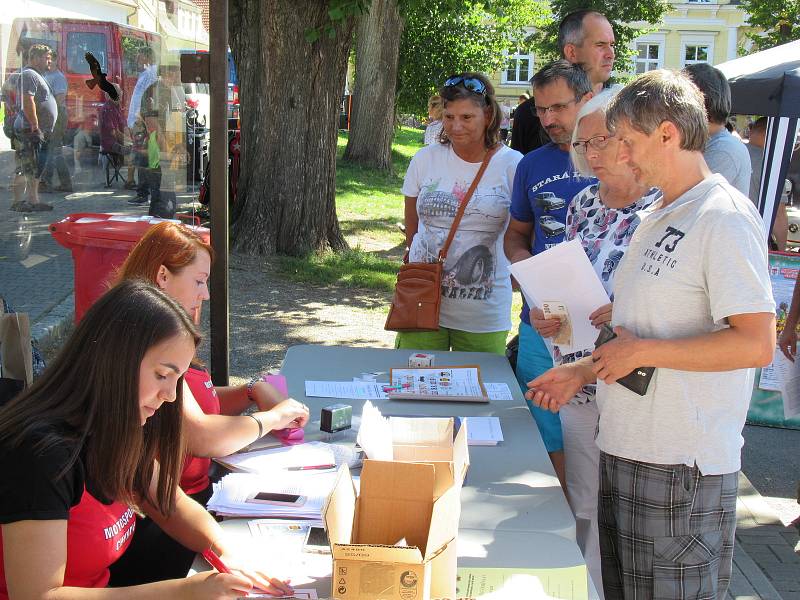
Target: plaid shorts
666,531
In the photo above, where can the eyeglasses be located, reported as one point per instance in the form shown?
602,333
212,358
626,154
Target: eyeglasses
469,83
598,142
554,108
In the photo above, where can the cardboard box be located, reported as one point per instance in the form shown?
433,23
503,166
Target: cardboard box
431,440
394,540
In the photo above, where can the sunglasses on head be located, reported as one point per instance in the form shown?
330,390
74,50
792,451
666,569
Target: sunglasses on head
468,83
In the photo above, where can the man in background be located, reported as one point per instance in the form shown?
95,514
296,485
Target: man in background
755,148
55,153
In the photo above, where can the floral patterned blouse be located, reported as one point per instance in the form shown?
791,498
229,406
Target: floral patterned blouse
605,234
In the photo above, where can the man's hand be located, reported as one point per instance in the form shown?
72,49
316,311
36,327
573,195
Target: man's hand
556,387
601,315
617,358
545,327
787,342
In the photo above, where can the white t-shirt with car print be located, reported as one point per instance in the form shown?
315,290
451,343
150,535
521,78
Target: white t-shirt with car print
476,285
605,234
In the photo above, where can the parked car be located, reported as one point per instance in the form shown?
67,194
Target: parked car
550,226
115,46
549,201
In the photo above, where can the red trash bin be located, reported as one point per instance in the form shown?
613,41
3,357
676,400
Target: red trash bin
99,244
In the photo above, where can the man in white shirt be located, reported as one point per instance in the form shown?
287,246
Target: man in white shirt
692,299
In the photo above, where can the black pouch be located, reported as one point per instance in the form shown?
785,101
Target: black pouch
637,380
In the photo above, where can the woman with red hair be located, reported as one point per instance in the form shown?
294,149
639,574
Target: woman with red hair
178,261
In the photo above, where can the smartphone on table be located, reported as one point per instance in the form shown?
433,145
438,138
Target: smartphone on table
317,541
276,498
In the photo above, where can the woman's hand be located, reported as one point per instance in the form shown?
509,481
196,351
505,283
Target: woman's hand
601,315
545,327
211,585
787,341
261,581
289,412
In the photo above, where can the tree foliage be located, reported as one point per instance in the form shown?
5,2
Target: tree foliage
619,12
443,37
777,22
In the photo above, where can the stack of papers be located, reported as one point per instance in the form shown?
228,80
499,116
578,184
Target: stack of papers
311,456
282,494
483,431
360,390
438,383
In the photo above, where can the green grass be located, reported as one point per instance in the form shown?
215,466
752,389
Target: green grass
369,206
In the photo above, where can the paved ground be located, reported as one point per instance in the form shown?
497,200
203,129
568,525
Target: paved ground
268,315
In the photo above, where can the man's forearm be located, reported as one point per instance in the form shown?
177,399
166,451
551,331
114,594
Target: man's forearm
724,350
794,309
516,246
29,108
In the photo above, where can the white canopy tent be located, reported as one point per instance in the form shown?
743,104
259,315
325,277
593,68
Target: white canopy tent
767,83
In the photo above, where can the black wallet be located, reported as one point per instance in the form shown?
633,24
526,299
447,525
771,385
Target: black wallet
637,380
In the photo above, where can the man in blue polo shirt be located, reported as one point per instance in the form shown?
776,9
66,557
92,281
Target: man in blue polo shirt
544,185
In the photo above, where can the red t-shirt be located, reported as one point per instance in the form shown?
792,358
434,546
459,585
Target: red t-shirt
97,534
195,470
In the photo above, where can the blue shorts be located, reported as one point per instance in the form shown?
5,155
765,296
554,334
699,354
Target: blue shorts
534,359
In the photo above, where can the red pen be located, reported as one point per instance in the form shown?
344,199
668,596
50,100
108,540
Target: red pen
215,561
311,468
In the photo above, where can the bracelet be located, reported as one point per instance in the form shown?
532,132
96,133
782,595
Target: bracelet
260,426
250,385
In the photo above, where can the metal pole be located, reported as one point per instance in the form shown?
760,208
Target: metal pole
218,158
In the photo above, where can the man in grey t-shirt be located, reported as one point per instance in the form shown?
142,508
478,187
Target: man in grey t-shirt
34,123
692,299
724,153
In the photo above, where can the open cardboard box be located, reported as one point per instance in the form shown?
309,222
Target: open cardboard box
431,440
395,540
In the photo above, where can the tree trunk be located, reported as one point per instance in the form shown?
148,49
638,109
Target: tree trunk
372,118
290,93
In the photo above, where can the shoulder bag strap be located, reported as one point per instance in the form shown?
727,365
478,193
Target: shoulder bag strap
463,206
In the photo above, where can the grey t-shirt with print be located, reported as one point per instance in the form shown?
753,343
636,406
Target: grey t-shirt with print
689,266
33,84
728,156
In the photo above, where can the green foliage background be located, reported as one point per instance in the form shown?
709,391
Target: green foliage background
778,22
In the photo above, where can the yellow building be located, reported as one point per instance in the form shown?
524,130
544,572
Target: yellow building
690,32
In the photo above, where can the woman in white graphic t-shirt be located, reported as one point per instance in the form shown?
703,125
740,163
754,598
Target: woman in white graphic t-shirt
476,285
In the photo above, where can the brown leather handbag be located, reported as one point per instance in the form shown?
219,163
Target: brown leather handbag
418,291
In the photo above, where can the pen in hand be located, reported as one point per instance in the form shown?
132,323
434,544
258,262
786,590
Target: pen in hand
215,561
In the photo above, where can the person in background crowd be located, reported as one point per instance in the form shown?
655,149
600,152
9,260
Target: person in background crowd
112,124
692,298
55,153
8,95
603,217
544,183
93,441
178,261
476,287
434,128
147,78
755,148
505,122
82,154
33,125
724,154
585,38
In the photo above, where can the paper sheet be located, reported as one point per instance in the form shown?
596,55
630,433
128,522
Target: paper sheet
283,457
375,433
483,431
564,274
499,391
790,388
773,375
568,583
345,390
445,382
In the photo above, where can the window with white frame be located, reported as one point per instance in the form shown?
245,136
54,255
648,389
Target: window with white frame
695,53
519,69
649,56
696,49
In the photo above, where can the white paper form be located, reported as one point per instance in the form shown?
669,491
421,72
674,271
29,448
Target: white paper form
564,274
773,375
498,391
790,388
346,390
310,454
